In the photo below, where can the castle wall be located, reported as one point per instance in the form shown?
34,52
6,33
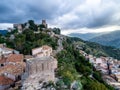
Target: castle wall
44,69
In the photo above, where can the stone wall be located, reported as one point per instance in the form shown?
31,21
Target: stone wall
41,67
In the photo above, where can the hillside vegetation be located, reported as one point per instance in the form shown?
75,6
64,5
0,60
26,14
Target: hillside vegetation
96,49
72,66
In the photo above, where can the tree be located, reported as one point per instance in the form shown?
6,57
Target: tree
30,36
95,86
42,26
32,26
2,40
97,75
19,42
56,31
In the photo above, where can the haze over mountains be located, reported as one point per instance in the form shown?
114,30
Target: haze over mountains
85,36
108,39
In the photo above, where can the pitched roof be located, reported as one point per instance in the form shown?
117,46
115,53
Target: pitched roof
5,81
16,69
15,58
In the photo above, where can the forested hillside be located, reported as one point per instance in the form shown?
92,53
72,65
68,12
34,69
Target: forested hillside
96,49
72,66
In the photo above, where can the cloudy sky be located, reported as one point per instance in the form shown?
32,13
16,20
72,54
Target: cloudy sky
72,16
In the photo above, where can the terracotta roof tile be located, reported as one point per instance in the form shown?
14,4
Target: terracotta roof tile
5,81
16,69
15,58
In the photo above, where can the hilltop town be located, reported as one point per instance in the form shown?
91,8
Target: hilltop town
35,57
26,71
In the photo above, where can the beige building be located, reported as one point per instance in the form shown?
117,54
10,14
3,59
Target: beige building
43,67
42,51
38,70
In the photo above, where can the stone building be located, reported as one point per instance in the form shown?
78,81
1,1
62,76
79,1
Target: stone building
12,66
39,69
5,51
44,23
18,26
13,72
43,67
42,51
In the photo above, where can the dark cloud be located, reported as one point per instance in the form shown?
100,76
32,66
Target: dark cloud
4,9
67,14
103,19
21,11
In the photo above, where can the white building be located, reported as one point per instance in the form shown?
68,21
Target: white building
5,51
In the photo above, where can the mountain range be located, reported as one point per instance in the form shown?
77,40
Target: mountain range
108,39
